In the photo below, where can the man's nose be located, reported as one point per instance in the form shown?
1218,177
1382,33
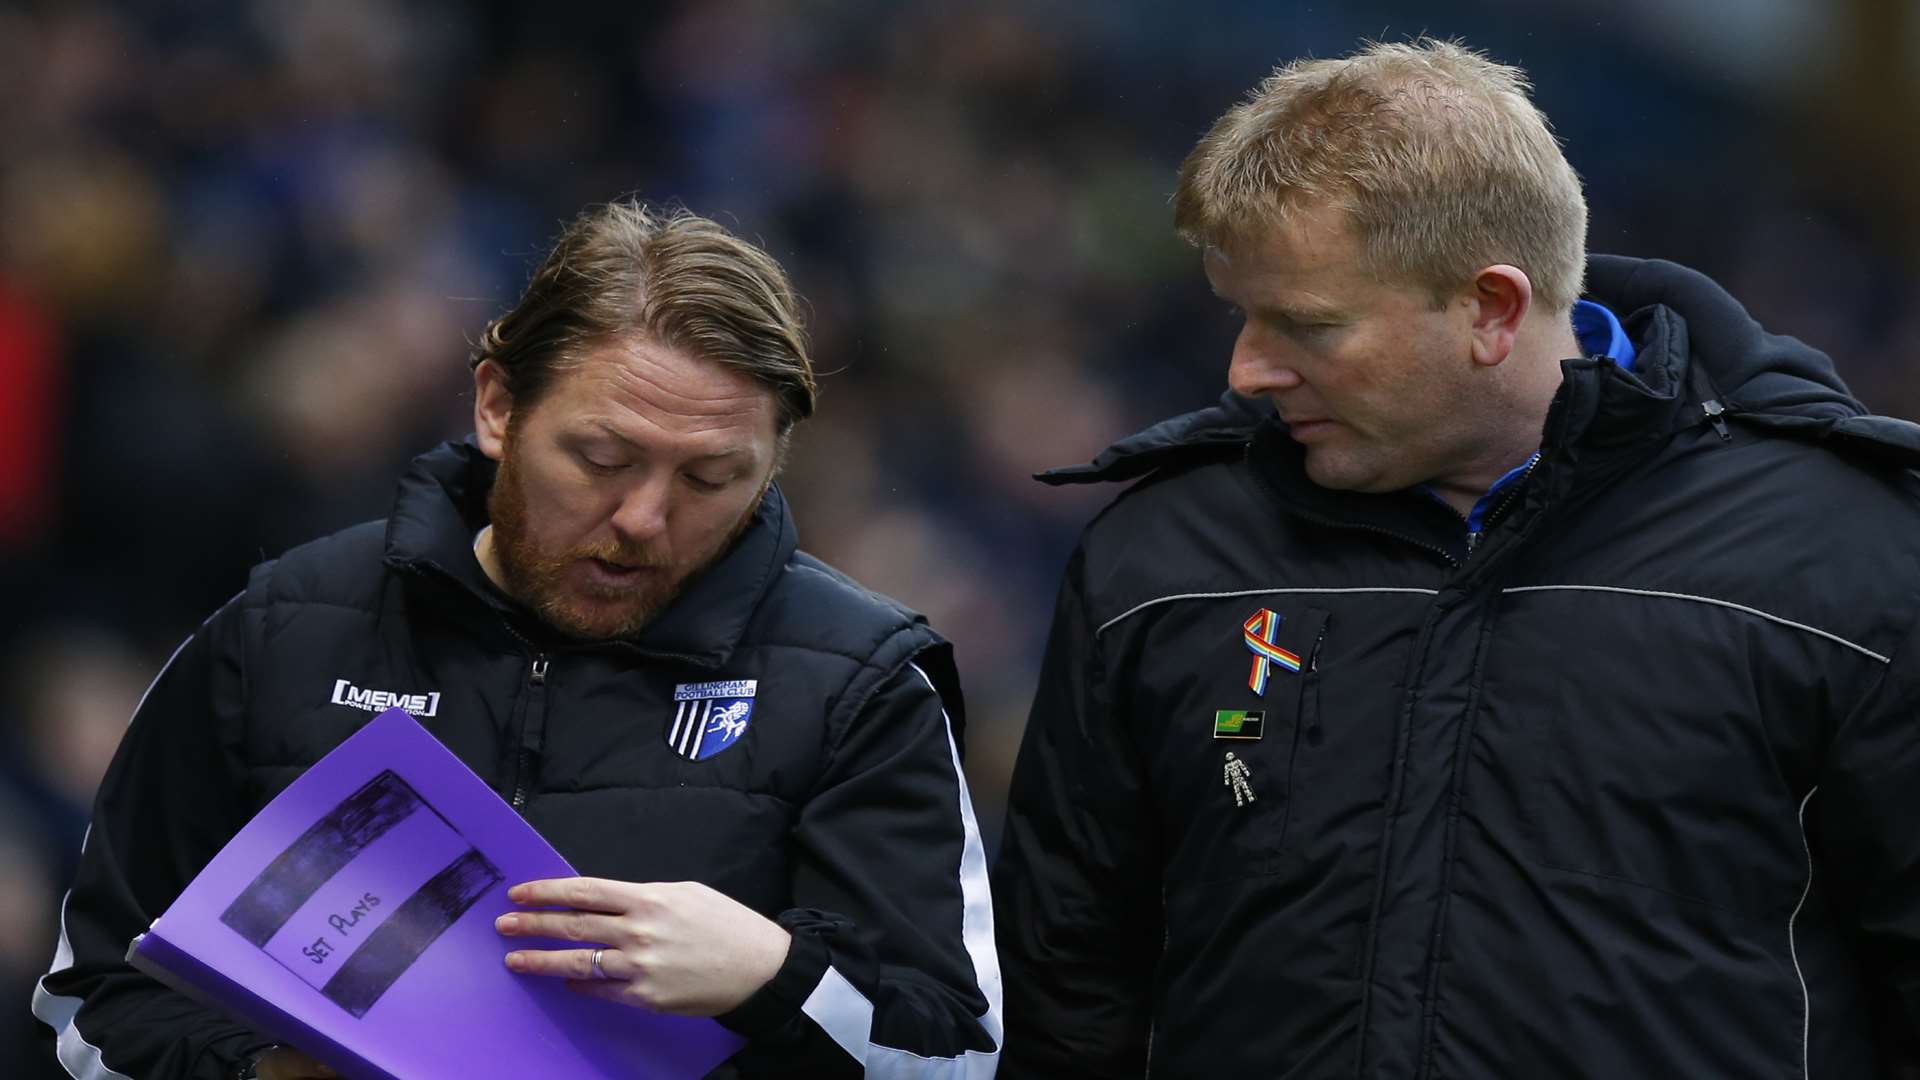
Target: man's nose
1259,368
642,513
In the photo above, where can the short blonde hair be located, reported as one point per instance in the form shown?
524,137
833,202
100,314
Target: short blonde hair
1437,155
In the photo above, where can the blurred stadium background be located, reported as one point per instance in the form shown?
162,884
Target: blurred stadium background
243,244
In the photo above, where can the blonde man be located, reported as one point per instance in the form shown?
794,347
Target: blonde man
1561,734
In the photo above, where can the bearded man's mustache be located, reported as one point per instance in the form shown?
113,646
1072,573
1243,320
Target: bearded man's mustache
629,556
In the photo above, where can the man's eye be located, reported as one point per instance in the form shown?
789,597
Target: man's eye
598,466
1304,326
701,483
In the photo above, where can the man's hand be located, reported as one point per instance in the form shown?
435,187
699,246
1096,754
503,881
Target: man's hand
286,1063
673,947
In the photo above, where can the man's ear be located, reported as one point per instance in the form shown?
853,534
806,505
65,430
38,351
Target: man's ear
492,409
1501,296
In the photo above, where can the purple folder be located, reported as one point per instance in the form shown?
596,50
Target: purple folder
353,918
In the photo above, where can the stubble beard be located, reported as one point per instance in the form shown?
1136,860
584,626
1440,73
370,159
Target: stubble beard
539,578
1406,449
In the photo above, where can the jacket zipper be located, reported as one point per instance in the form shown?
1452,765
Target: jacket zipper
1513,491
1402,537
1716,414
1313,657
532,732
1310,688
536,699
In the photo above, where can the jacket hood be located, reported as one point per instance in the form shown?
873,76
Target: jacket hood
442,504
1755,372
1222,428
1768,381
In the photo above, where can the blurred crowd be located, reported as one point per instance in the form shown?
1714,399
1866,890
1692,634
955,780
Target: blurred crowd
244,245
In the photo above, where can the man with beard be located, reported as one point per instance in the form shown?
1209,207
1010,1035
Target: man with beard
752,760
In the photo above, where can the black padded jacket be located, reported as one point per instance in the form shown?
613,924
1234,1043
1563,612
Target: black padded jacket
1624,786
841,810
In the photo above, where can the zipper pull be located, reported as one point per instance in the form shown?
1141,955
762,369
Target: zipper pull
1312,685
1716,414
538,677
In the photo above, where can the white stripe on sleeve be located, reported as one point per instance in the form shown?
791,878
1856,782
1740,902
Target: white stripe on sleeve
80,1057
844,1013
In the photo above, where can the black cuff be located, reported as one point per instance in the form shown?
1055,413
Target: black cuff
246,1065
778,1002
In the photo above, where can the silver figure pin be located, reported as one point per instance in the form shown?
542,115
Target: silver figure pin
1239,777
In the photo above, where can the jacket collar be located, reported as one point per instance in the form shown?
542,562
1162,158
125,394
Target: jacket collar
1768,382
1603,420
441,506
1704,345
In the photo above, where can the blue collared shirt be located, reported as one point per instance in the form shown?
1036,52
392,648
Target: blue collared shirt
1600,334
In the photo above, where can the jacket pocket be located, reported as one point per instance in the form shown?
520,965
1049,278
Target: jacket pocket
1239,765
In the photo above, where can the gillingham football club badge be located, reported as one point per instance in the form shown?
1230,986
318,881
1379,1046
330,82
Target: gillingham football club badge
708,717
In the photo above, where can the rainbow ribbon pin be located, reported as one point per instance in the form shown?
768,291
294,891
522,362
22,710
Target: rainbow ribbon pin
1260,630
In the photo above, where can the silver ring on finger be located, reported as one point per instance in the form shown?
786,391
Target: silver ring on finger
598,971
